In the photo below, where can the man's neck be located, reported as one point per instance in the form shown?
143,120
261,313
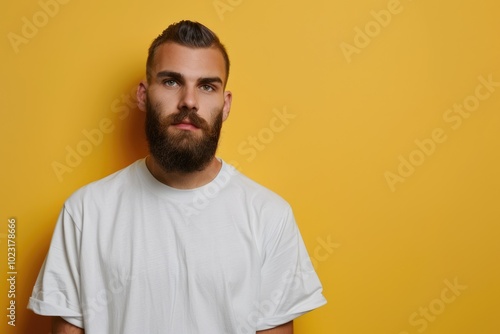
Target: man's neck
180,180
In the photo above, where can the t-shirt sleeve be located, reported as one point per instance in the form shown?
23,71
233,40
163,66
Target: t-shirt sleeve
289,284
57,289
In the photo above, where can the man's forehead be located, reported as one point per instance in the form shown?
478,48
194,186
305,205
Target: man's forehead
180,58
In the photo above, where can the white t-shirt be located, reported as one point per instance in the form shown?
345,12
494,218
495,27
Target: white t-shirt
131,255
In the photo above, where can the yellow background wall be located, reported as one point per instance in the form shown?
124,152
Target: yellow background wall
378,120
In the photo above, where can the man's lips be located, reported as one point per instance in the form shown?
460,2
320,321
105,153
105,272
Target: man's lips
185,126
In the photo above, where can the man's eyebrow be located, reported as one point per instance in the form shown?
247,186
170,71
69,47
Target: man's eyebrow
169,74
210,80
179,77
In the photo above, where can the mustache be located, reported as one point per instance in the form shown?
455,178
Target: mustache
189,114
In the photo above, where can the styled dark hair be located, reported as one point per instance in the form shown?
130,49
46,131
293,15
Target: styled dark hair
190,34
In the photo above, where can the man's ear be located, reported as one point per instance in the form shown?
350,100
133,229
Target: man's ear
228,98
142,95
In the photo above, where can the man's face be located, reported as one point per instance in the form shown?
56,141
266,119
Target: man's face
185,106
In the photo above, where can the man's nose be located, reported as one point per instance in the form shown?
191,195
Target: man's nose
188,98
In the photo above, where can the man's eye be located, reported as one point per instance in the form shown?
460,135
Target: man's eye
207,88
170,83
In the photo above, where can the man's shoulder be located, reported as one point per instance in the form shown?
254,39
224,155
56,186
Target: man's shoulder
108,186
253,190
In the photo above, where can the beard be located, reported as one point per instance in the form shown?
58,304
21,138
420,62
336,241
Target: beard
181,151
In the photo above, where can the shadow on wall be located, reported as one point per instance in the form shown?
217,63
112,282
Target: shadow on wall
131,141
123,127
28,321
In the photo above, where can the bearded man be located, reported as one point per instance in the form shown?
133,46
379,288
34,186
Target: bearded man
136,252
